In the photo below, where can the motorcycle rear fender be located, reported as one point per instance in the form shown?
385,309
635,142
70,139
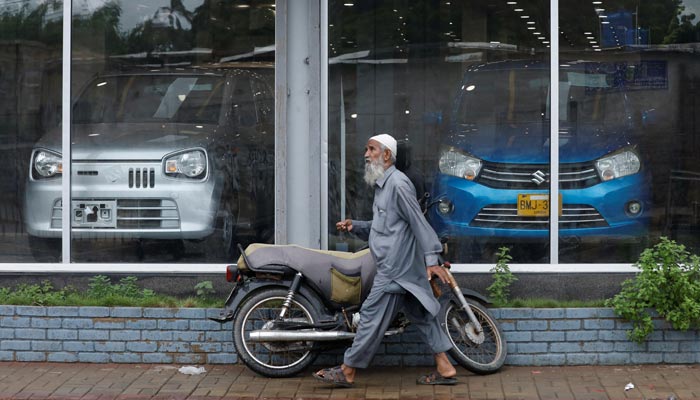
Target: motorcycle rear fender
245,289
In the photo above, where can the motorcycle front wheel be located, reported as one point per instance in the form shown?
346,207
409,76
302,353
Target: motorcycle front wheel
480,352
260,312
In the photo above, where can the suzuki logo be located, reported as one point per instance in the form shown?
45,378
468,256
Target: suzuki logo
538,177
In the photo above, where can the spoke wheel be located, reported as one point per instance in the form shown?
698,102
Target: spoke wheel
273,359
482,352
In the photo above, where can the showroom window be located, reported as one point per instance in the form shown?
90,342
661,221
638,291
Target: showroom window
30,83
467,89
171,134
464,87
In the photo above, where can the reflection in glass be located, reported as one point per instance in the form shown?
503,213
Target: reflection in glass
633,120
464,87
30,83
172,132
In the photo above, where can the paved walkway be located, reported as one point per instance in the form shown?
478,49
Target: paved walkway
137,381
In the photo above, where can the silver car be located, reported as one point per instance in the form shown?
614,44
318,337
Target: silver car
161,155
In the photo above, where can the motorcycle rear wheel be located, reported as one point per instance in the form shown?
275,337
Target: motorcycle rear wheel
273,359
482,356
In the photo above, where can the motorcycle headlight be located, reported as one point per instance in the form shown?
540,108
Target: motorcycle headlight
46,164
190,164
617,165
457,163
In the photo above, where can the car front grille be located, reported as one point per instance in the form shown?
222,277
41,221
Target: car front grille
142,178
505,216
536,176
147,214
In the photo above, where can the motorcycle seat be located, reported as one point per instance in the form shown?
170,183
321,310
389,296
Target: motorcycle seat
314,264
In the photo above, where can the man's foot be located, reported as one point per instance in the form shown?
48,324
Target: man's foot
333,376
434,378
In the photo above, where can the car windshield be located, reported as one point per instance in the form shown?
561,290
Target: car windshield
151,98
521,96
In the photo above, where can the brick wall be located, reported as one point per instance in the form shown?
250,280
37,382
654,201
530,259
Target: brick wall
574,336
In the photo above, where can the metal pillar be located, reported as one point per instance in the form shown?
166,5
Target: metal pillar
298,123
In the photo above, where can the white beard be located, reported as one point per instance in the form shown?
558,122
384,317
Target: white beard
374,170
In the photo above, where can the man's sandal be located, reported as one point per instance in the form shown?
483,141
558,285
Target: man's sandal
333,376
434,378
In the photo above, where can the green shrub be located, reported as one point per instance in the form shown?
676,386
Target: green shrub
668,282
502,278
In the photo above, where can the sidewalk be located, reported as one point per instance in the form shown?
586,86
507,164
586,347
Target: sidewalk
140,381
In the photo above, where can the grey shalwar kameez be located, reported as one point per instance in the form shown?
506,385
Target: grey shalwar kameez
403,244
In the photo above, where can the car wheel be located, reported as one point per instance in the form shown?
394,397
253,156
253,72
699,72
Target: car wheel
224,240
45,249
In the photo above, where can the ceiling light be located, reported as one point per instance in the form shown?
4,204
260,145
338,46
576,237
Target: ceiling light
518,10
511,3
536,33
587,33
595,46
597,50
525,16
597,2
593,42
541,37
545,42
606,22
602,16
530,22
599,10
532,28
590,37
349,4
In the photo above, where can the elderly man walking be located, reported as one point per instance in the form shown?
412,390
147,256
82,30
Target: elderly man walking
406,249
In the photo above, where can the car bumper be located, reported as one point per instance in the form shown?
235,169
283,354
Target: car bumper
479,211
106,203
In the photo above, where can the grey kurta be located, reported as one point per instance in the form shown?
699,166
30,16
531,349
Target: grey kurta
403,245
402,242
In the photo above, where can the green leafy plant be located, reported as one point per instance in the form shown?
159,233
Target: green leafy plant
101,287
668,282
502,277
204,289
35,294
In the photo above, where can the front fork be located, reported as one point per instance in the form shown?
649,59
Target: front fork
452,282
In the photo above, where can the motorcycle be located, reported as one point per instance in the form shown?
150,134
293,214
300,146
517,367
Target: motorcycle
290,303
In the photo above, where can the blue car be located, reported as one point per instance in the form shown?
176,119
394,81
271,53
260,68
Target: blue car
494,173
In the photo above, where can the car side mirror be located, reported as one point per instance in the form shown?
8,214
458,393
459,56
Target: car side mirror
649,117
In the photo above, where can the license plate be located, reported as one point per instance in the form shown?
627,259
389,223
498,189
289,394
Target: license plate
535,205
94,214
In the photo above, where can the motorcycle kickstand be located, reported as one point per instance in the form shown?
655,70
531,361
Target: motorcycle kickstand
290,295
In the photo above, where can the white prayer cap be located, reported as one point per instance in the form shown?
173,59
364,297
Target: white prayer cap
387,140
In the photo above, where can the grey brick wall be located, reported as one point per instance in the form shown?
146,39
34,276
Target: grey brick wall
577,336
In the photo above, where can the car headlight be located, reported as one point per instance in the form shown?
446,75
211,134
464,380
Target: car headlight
46,164
617,165
190,164
456,163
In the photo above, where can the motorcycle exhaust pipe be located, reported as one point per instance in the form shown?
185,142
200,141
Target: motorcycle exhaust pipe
298,336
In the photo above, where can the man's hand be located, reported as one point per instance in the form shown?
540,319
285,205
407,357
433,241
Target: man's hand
344,226
440,272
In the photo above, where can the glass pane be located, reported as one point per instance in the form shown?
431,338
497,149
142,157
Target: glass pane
173,129
628,134
30,83
464,87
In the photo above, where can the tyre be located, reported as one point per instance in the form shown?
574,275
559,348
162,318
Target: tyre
482,353
223,241
273,359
